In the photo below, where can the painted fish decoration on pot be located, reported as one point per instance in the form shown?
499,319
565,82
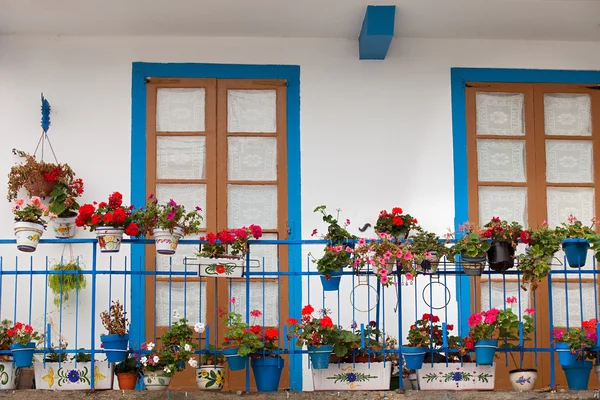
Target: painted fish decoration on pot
522,380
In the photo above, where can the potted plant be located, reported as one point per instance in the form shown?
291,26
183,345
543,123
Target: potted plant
424,336
115,322
574,347
29,224
168,223
64,205
536,263
127,373
22,344
576,240
9,373
216,262
62,284
110,220
472,248
505,238
371,339
427,250
38,177
240,342
266,363
337,253
211,374
395,223
176,348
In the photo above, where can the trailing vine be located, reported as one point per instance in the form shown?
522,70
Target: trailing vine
65,283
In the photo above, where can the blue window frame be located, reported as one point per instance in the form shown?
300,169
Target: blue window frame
291,73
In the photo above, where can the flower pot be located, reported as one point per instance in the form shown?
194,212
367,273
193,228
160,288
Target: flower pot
485,350
576,251
115,347
472,266
109,239
225,267
210,377
235,361
36,185
156,380
429,266
578,375
127,380
64,228
565,357
456,376
354,377
28,235
414,356
267,373
166,242
9,375
523,379
23,355
501,256
333,283
68,375
319,356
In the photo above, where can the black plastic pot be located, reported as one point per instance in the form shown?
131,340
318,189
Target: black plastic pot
472,266
501,256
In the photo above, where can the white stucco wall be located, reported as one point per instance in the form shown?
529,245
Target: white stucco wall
374,134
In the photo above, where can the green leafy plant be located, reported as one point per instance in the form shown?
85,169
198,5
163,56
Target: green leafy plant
338,252
63,197
575,229
471,243
238,334
55,356
30,212
130,365
337,234
580,340
63,284
22,334
215,245
426,332
5,340
83,357
535,264
424,244
395,223
168,217
211,357
114,320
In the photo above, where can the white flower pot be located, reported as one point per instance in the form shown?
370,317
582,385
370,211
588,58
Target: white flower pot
166,242
523,380
64,228
222,267
210,377
109,239
9,375
28,235
73,376
353,376
156,381
456,376
597,370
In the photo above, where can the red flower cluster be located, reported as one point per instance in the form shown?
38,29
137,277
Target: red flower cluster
326,322
112,214
76,186
115,200
430,317
395,223
53,175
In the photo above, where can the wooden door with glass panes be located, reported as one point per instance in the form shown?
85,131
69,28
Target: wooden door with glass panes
221,145
530,150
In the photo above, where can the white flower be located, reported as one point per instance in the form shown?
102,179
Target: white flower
155,359
176,314
150,346
144,361
193,363
167,370
187,347
199,327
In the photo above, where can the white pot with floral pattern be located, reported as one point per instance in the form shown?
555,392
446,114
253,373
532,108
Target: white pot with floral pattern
9,375
109,238
28,235
70,375
64,228
166,242
210,377
156,380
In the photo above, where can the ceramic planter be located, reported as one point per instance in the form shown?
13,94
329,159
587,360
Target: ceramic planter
222,267
28,235
115,347
456,376
64,228
23,355
501,256
578,375
472,266
353,377
333,283
73,376
235,361
267,373
9,375
210,377
166,242
127,380
319,356
523,380
413,357
485,351
576,251
109,239
429,266
156,381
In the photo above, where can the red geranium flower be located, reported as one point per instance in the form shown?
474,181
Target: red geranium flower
396,210
115,200
292,321
326,322
271,333
307,310
398,221
132,229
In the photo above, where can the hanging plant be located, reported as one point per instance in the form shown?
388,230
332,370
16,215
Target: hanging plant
65,283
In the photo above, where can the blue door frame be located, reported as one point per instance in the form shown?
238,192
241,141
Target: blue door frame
458,78
291,73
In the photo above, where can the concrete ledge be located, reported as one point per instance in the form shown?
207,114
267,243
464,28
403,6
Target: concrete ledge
181,395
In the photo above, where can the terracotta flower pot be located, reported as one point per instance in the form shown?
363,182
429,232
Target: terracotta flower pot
127,380
38,186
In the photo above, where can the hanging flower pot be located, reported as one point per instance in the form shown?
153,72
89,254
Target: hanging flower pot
64,228
235,361
210,377
115,347
429,265
523,379
578,374
485,351
28,235
319,355
565,357
267,373
166,242
37,185
414,356
501,256
472,266
576,251
109,239
333,283
23,354
127,380
156,380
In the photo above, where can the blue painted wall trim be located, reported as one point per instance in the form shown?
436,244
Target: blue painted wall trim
291,73
458,78
377,32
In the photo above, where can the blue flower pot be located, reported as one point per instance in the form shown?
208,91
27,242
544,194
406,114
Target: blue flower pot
485,350
333,283
235,361
578,375
115,347
565,357
576,251
319,356
267,373
414,356
23,355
